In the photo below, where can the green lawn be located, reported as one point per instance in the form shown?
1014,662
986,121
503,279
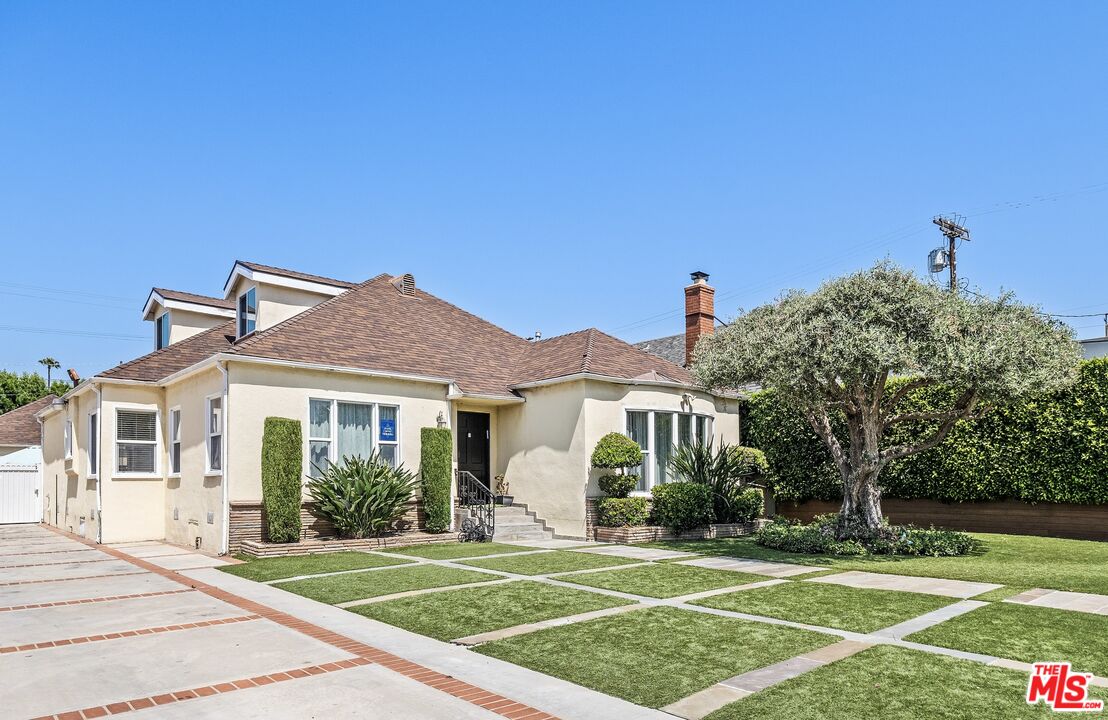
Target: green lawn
887,682
663,580
1030,634
1016,560
356,586
834,606
453,551
469,611
551,562
655,656
286,567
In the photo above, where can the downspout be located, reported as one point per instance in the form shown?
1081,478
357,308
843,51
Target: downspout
99,465
225,542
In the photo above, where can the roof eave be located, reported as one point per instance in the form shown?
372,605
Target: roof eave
605,378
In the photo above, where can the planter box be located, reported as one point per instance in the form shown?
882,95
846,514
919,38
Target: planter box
651,533
258,549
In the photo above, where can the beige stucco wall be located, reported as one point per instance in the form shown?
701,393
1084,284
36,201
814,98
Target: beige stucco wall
195,495
185,323
276,303
68,492
132,506
260,391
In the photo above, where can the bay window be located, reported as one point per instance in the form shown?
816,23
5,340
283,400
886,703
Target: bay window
339,429
659,433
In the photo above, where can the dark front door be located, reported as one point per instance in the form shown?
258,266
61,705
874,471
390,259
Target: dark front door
473,444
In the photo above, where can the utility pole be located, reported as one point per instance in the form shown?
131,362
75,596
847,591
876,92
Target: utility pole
951,226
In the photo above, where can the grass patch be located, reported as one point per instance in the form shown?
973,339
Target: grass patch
551,562
1016,560
892,682
664,580
834,606
1001,593
285,567
357,586
1030,634
655,656
469,611
453,551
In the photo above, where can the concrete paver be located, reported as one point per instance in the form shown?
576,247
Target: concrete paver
928,619
185,562
758,567
64,571
1063,600
636,553
14,595
555,544
907,583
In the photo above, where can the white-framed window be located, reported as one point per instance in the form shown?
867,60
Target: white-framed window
161,331
136,441
659,433
247,312
67,439
339,428
215,434
93,444
175,441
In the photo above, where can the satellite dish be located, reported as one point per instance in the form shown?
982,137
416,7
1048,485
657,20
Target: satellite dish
938,260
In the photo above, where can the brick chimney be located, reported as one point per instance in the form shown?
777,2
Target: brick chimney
700,312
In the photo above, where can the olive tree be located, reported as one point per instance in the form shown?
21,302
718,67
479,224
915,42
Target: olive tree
835,351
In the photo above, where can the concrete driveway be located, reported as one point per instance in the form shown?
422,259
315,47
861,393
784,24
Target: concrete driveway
90,631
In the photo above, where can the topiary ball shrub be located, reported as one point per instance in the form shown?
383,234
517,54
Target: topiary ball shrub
618,486
282,450
621,511
818,538
682,506
615,452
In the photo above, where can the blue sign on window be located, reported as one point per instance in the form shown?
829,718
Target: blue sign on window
388,430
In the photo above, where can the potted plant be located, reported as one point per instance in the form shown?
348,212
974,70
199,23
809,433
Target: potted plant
502,496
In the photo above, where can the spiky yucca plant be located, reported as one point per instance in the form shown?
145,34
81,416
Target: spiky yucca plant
725,469
362,497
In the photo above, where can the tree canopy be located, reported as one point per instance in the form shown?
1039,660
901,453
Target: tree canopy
18,389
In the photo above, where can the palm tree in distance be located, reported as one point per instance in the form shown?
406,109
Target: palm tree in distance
49,363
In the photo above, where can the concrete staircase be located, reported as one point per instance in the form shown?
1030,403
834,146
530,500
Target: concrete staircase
517,523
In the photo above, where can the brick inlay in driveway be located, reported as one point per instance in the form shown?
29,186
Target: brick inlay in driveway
82,601
125,634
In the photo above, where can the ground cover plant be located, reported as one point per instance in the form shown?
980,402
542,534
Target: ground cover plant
1027,633
265,569
655,656
827,605
820,537
663,580
887,682
335,589
469,611
453,551
551,562
1017,560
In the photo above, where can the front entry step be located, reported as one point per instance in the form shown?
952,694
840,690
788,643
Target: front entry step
515,523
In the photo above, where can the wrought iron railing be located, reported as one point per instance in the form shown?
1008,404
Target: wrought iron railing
480,520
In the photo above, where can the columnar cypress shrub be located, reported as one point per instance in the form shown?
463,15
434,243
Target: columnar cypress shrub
1051,449
282,455
435,462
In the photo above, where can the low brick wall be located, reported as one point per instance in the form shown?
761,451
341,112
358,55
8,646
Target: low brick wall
314,547
652,533
247,523
1080,522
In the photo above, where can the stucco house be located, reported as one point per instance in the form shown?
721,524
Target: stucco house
168,445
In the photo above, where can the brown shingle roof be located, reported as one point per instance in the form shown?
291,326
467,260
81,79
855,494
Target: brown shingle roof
296,274
194,298
592,351
178,356
19,426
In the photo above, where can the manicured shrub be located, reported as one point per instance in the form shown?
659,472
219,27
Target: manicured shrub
615,451
725,469
618,486
282,455
1052,449
682,506
621,511
435,453
818,537
362,497
745,507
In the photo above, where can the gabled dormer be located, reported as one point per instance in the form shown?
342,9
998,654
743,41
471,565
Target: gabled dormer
178,315
262,295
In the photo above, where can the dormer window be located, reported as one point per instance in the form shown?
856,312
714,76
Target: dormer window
161,331
247,312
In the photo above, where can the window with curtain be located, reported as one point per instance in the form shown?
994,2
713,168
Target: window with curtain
658,433
355,434
215,434
638,430
663,446
338,429
684,430
175,441
319,436
136,435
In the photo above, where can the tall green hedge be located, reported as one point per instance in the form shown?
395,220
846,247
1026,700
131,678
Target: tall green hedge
1051,449
435,462
282,455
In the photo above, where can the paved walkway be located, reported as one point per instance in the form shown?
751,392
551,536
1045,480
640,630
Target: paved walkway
758,567
907,583
1062,600
87,631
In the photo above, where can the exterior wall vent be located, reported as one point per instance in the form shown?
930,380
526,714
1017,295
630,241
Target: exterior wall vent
405,284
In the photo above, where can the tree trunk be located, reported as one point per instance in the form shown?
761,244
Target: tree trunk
861,510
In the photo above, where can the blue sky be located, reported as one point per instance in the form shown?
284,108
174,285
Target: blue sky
548,166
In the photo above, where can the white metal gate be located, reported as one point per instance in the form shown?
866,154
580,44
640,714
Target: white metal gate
20,494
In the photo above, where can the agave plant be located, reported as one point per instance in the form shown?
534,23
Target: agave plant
362,497
726,469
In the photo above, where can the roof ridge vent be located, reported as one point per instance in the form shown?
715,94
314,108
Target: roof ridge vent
405,284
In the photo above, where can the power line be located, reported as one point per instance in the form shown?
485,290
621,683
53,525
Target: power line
75,301
79,333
